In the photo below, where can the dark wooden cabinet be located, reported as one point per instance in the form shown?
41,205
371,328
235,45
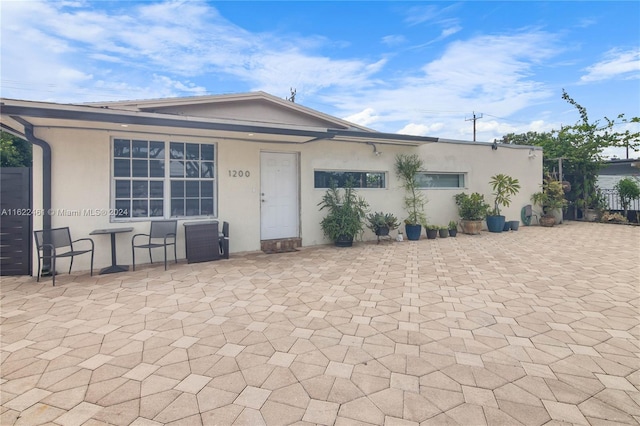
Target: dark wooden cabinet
202,241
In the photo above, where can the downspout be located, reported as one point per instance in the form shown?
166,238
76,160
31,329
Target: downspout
46,178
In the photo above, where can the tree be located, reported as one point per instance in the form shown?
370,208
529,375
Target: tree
581,146
14,152
628,190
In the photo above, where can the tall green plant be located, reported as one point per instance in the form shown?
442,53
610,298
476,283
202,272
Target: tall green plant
628,190
347,211
503,187
407,167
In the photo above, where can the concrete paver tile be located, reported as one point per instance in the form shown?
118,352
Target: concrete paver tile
339,369
78,414
27,399
425,332
565,412
321,412
193,383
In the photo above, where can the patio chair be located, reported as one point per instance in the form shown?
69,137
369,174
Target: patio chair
224,240
527,213
161,234
49,243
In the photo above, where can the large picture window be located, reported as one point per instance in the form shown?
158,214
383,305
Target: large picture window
440,180
323,178
144,187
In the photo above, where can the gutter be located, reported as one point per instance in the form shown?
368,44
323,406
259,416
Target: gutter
46,178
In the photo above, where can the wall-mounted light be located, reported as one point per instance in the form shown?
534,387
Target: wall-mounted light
532,154
375,150
494,145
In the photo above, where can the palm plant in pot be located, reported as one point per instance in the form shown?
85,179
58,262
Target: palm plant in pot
407,166
346,216
504,187
551,198
472,209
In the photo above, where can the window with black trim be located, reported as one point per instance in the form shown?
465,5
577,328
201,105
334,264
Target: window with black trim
323,178
144,187
440,180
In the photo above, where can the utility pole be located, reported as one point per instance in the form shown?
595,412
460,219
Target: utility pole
474,119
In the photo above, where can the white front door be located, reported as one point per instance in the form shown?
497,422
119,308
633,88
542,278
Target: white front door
280,209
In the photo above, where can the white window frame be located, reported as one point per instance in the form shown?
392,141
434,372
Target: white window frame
461,175
383,173
167,179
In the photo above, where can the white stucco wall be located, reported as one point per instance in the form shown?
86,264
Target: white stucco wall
81,165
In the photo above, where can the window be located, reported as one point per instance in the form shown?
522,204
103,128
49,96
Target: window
145,188
322,179
440,180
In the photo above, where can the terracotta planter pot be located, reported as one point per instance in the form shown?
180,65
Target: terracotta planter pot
472,227
547,221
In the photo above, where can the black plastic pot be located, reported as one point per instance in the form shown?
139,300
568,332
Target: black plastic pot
432,234
382,231
344,241
453,232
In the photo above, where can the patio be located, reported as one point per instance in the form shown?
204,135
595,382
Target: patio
538,326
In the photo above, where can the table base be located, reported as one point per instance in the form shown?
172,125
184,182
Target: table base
113,269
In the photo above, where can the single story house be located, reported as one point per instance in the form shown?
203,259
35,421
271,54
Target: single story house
257,161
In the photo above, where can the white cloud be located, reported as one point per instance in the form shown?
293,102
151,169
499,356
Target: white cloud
487,73
181,40
394,40
421,129
364,118
617,63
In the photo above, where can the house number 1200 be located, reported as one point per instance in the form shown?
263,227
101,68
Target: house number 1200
239,173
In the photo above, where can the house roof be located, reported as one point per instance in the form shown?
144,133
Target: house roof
142,116
161,105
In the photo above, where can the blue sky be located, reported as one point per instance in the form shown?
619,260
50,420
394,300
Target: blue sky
409,67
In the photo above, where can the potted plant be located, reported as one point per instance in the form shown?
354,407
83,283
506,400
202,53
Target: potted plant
628,190
346,214
453,228
432,231
549,199
443,232
381,223
406,167
472,210
504,187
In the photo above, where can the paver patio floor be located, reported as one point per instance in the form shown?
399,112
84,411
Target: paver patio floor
538,326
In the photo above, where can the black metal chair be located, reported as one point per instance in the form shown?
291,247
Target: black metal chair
161,234
49,243
224,240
